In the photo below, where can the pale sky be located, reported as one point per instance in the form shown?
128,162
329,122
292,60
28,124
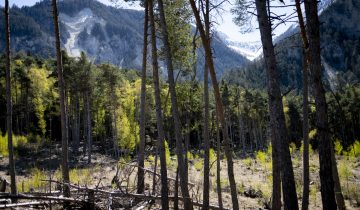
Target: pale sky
224,20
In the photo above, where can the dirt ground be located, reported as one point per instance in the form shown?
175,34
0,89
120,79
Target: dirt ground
253,176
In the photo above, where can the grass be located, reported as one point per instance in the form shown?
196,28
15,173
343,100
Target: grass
34,181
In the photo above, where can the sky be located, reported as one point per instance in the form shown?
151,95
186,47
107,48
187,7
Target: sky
223,19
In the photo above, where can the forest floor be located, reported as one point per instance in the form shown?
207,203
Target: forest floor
253,175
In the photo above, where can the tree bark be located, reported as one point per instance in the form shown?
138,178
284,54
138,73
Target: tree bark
276,173
219,104
327,182
206,192
277,118
306,176
9,111
63,108
174,109
159,117
88,126
218,166
141,153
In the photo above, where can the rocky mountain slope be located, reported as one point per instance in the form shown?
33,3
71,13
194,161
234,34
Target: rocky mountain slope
104,33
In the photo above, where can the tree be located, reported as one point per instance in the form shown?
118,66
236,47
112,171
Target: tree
159,116
206,196
141,153
219,105
9,102
174,108
63,108
313,31
277,118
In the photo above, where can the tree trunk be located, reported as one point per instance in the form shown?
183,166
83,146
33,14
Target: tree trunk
306,179
159,117
218,167
88,126
63,108
337,187
76,123
174,109
141,152
277,118
9,102
206,192
276,173
327,182
219,105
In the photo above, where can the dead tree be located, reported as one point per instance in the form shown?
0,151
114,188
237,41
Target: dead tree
159,116
219,105
9,113
141,152
63,108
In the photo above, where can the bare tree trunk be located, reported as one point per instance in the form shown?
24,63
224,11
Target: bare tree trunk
174,109
327,182
88,123
219,105
277,118
63,108
337,187
76,123
276,174
114,124
306,179
218,167
159,117
141,153
206,192
9,110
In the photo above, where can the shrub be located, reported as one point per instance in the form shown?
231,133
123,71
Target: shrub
34,182
248,162
338,147
354,150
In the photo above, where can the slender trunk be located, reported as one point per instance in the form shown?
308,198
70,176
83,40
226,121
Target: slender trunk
218,159
219,105
63,108
114,124
276,174
75,128
176,190
159,117
141,153
337,187
9,102
88,123
174,109
277,118
206,192
327,182
306,176
306,179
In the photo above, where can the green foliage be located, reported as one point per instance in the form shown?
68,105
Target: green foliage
42,86
34,181
292,148
212,156
199,165
18,142
312,134
248,162
354,150
338,147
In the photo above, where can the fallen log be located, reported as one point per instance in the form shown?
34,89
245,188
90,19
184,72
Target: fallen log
14,205
37,197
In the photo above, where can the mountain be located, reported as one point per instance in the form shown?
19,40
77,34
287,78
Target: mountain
104,33
340,43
